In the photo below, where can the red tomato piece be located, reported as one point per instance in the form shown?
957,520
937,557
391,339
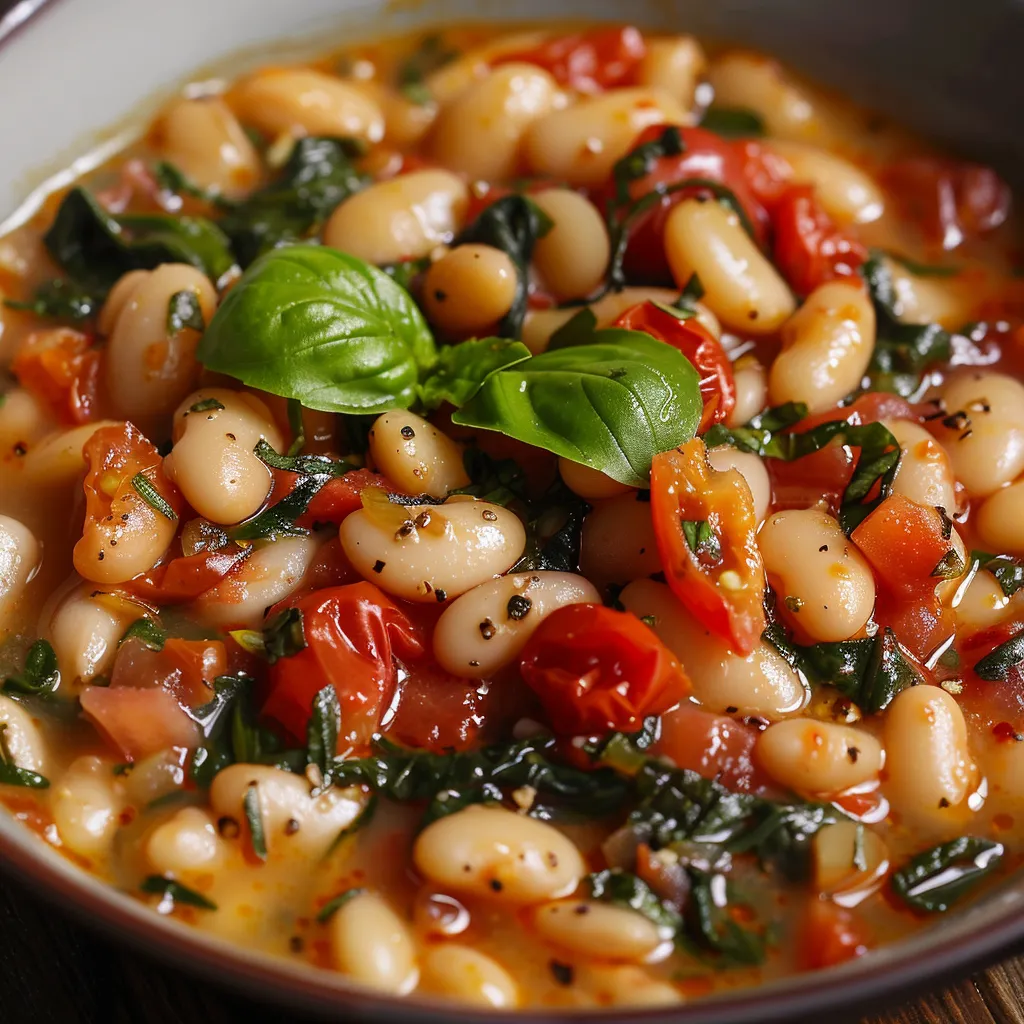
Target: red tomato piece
689,336
62,368
767,174
183,579
139,721
184,668
596,669
809,249
352,635
952,201
722,582
831,935
335,500
588,62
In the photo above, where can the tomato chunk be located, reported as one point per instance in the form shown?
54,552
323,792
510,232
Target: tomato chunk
831,935
182,579
352,635
705,526
184,668
338,497
689,336
62,368
596,669
139,721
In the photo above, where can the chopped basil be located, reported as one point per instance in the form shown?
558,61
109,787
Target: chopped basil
361,820
1008,570
284,635
626,890
297,428
924,269
639,162
758,436
710,926
207,405
500,481
322,732
332,906
278,520
59,300
41,674
626,751
304,465
997,665
702,540
406,272
733,122
934,880
431,54
691,294
174,181
148,632
254,817
11,774
950,566
167,888
554,532
183,310
152,497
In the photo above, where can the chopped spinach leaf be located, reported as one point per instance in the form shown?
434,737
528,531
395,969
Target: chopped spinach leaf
284,635
183,310
40,676
733,122
1008,570
639,162
431,55
710,926
626,890
59,300
12,774
148,632
997,665
934,880
167,888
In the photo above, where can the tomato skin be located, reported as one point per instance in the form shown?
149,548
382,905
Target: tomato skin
809,249
831,935
184,668
183,579
689,336
684,486
62,368
352,634
596,669
139,721
335,500
766,173
588,62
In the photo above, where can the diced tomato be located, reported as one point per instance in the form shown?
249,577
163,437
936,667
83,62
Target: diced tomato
715,746
352,635
588,62
952,201
183,579
869,408
767,174
61,368
184,668
809,249
138,721
689,336
831,935
596,669
722,582
906,545
335,500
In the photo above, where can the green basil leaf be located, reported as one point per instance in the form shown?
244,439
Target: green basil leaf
183,310
626,751
284,635
13,775
997,665
148,632
554,532
304,465
362,819
431,54
512,224
640,161
254,817
1008,570
174,181
579,329
934,880
59,300
758,434
691,294
500,481
924,269
701,539
322,732
462,368
612,405
332,906
40,676
733,122
626,890
322,327
206,405
405,273
167,888
711,927
152,497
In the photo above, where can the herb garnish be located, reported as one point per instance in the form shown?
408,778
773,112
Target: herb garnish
167,888
934,880
152,497
41,674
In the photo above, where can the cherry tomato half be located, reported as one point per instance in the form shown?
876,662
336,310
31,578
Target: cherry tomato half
62,368
596,669
706,529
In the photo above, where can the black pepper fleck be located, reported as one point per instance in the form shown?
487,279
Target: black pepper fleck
440,594
378,566
291,826
296,944
518,607
487,629
731,709
496,886
408,433
562,973
824,547
853,753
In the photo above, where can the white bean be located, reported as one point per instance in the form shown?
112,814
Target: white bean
930,300
741,287
984,431
86,804
415,456
1000,520
826,347
819,758
469,289
572,257
625,985
498,855
401,219
924,473
450,80
581,143
57,459
20,554
674,65
594,929
85,630
751,468
433,552
22,737
618,542
485,629
751,380
825,586
23,421
186,842
467,976
479,132
372,944
763,683
839,873
589,483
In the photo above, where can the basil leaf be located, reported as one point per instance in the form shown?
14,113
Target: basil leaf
579,329
612,405
321,327
404,274
639,162
626,890
183,310
733,122
148,632
1008,571
701,540
554,532
40,676
361,820
500,481
96,249
317,177
711,926
167,888
322,732
997,665
924,269
462,368
625,751
430,55
152,497
512,224
254,817
13,775
174,181
934,880
332,906
304,465
284,635
691,294
757,435
206,405
59,300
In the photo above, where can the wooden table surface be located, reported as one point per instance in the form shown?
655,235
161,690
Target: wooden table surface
54,971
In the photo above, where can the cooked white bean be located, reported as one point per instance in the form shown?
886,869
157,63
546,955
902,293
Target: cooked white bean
826,347
625,985
479,133
187,841
20,555
401,219
486,628
86,803
155,776
212,460
372,944
293,821
438,915
741,287
581,143
433,552
499,855
751,380
929,300
469,289
57,459
589,483
450,80
673,65
592,928
751,468
847,194
839,873
468,976
85,630
984,431
149,368
415,456
1000,520
300,101
924,473
573,256
929,768
269,575
23,421
763,683
204,139
22,737
819,758
618,542
825,586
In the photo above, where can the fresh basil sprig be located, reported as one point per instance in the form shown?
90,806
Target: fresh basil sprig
462,368
167,888
934,880
733,122
997,665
